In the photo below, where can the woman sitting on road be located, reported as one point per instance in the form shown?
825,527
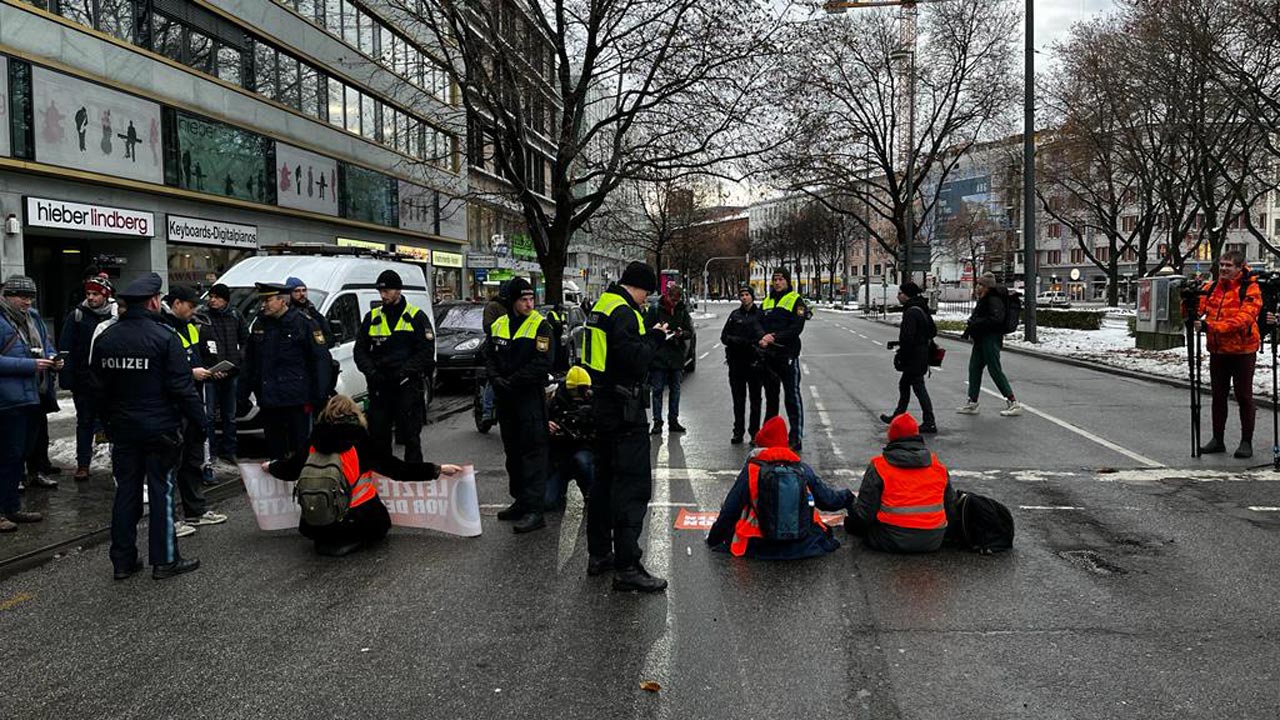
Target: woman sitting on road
341,430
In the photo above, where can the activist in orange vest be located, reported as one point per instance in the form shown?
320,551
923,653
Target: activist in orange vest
747,519
902,504
341,429
1229,313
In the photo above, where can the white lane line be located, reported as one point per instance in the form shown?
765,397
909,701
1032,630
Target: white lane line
704,354
716,346
659,558
1049,507
1084,433
804,367
1264,508
827,428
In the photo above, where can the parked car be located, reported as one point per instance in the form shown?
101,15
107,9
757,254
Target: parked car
1053,300
341,283
460,340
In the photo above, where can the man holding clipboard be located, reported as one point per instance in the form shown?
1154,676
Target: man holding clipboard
223,338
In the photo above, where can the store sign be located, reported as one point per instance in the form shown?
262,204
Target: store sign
522,247
223,160
481,274
367,244
417,253
306,181
83,125
440,258
417,208
4,107
42,212
206,232
477,260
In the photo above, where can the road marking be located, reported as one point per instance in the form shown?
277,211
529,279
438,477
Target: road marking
1084,433
1264,508
16,600
716,346
804,366
704,354
825,419
1049,507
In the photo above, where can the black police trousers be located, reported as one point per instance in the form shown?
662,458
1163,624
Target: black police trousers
745,382
135,463
400,407
522,419
783,373
287,431
620,496
190,473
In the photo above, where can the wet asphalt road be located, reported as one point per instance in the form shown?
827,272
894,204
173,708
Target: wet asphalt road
1143,593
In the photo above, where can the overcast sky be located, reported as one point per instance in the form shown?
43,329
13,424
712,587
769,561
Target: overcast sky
1054,17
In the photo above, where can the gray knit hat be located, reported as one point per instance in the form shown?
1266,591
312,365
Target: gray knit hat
20,285
987,279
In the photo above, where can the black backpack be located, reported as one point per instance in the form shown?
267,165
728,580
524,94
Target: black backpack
1012,312
784,505
979,523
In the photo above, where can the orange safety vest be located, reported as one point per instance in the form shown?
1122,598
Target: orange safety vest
748,525
912,497
363,488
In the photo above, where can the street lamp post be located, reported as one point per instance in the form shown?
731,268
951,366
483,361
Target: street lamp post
909,221
1028,180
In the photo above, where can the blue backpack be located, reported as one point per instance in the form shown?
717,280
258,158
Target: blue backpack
784,505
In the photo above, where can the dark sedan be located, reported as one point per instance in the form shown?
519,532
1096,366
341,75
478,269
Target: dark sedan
460,340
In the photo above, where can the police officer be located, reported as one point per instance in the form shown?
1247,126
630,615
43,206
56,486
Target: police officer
617,351
287,366
740,337
141,380
517,360
298,299
395,350
784,317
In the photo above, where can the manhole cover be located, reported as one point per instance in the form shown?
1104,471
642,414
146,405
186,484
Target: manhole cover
1093,562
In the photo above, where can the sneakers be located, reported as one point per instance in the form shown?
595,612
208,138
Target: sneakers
637,579
7,525
1012,408
208,518
40,480
969,408
183,528
1244,451
82,473
177,567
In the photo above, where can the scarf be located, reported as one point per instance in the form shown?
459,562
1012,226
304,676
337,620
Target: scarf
21,322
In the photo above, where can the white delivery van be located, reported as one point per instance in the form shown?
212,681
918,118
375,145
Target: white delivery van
342,283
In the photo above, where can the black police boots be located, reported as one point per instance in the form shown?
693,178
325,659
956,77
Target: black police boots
599,565
637,579
512,512
128,572
529,522
177,567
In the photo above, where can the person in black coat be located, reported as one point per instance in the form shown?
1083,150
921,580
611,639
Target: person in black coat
77,335
912,358
740,337
340,427
224,337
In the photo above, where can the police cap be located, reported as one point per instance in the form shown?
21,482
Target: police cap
183,293
147,286
266,290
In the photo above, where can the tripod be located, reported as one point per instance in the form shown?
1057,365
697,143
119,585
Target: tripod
1190,312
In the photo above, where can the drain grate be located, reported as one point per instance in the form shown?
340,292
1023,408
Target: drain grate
1093,562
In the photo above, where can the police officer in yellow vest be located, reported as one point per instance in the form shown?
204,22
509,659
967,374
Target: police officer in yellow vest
518,362
617,351
784,317
395,349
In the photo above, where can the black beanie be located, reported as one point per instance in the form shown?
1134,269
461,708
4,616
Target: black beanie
785,273
516,287
640,275
221,291
909,288
748,290
390,280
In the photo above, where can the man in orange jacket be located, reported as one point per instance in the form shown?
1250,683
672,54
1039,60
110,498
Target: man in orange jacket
1229,315
902,504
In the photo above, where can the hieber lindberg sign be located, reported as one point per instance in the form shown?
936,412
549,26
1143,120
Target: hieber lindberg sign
65,215
207,232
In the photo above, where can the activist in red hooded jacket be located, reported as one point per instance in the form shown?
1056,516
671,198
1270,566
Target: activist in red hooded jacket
341,429
732,531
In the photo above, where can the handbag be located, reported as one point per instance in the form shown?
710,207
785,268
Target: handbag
936,354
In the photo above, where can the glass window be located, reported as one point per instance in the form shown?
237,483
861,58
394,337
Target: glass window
264,78
288,75
402,60
389,126
413,140
166,37
80,11
386,47
336,92
199,51
310,91
346,310
228,64
116,18
402,132
350,23
369,121
333,16
353,110
307,9
366,35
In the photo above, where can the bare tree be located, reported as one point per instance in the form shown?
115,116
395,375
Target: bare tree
625,89
966,233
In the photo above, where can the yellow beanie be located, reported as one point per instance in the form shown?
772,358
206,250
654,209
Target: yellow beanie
577,377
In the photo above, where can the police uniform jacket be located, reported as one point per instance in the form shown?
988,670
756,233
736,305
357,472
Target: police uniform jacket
312,314
742,331
195,351
786,325
141,379
405,353
516,363
630,352
287,362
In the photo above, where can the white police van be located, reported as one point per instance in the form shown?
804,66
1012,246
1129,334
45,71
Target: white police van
342,283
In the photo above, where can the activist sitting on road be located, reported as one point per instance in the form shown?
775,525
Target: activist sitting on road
341,429
572,430
902,504
771,511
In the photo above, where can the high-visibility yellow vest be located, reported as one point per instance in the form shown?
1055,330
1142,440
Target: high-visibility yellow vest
595,342
528,330
191,338
788,302
378,326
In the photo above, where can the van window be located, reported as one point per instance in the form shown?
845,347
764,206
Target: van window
346,310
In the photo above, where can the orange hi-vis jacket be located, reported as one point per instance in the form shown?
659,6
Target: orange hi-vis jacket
749,524
363,488
1232,322
912,497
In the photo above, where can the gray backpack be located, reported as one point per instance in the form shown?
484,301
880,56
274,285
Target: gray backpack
322,490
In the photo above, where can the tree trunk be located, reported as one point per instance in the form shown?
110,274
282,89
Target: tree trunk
1113,280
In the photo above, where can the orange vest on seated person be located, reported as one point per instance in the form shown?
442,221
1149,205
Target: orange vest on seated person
363,488
749,524
912,497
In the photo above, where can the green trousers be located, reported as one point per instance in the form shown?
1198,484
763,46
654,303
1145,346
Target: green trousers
986,354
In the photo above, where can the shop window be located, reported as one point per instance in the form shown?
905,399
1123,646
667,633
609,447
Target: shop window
346,310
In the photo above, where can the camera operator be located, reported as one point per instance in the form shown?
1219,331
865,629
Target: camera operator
1228,314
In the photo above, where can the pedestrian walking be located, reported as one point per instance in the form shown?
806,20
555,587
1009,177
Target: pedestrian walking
915,334
785,314
27,364
986,327
143,385
1228,313
741,337
78,328
225,337
518,359
395,350
667,370
617,349
287,367
180,313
